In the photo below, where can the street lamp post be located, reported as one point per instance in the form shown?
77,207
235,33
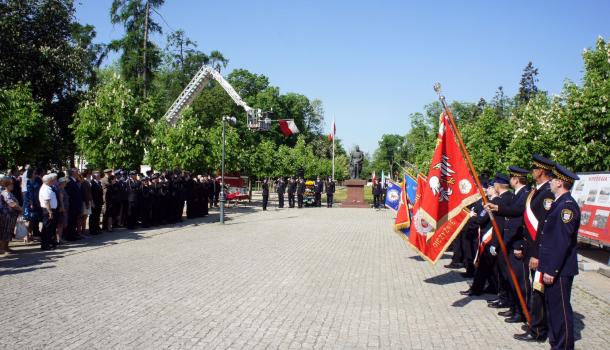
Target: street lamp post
233,121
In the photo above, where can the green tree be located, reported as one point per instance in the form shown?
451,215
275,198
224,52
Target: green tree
388,152
112,126
25,133
582,127
527,85
139,56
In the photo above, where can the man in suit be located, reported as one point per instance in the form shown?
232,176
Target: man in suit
330,192
292,188
300,192
537,206
265,193
513,240
75,207
318,188
134,192
97,196
557,259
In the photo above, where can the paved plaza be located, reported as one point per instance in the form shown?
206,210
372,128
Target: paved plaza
283,279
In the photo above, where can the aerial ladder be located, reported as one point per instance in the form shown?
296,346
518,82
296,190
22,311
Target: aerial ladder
257,120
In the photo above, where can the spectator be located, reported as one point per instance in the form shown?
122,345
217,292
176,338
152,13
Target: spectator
9,211
63,199
75,206
32,212
85,188
97,202
49,203
112,200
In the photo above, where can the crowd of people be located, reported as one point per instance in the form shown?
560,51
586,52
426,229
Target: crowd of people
73,204
295,188
538,228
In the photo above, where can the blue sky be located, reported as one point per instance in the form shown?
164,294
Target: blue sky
372,63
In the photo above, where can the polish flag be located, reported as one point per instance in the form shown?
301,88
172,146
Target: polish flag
374,179
288,127
333,132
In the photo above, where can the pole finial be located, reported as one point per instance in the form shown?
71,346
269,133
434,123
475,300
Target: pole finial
437,87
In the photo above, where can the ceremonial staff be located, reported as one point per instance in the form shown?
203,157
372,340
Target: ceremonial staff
437,89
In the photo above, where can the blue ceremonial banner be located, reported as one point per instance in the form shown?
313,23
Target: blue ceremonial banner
411,186
392,196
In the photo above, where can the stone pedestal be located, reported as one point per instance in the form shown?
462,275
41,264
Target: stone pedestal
355,194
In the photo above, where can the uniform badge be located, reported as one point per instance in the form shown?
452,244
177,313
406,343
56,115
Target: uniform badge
566,215
547,203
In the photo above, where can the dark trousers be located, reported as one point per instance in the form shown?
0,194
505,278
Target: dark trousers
376,200
329,200
504,281
132,215
265,201
318,200
485,272
70,230
291,200
300,200
523,284
49,226
538,325
94,219
559,313
280,200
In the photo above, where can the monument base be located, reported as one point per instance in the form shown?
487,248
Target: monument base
355,194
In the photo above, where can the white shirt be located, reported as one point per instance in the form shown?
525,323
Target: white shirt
47,194
24,182
540,185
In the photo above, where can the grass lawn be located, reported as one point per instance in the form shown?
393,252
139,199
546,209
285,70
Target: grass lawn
341,194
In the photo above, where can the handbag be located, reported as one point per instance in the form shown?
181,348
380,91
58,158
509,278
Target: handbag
21,228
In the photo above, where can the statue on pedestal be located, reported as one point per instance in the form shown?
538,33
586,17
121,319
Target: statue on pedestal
355,162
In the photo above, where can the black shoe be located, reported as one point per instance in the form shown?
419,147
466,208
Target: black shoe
499,305
454,265
491,301
529,337
514,319
525,328
507,313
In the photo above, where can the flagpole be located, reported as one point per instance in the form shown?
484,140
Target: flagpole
333,133
437,89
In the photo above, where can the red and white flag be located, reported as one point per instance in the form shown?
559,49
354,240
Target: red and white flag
288,127
333,132
374,179
441,210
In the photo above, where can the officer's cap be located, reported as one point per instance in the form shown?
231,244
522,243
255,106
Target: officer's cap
107,170
516,171
155,176
501,179
133,172
540,162
561,173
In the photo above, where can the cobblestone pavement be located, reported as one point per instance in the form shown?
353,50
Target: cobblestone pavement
282,279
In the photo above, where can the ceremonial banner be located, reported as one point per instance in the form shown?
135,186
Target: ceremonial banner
392,196
403,215
411,187
440,210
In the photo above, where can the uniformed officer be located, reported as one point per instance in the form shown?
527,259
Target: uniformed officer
300,192
557,258
318,188
537,205
146,204
292,188
133,189
265,193
281,190
330,192
513,240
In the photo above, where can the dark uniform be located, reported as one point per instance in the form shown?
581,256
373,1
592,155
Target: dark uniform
146,203
557,258
292,188
318,188
97,198
300,192
513,240
265,193
376,194
330,192
281,189
133,189
537,206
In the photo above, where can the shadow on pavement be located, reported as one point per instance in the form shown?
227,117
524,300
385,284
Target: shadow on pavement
579,325
446,278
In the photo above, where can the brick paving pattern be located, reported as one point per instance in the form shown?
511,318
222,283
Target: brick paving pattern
290,279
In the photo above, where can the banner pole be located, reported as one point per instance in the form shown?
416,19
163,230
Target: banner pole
437,89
